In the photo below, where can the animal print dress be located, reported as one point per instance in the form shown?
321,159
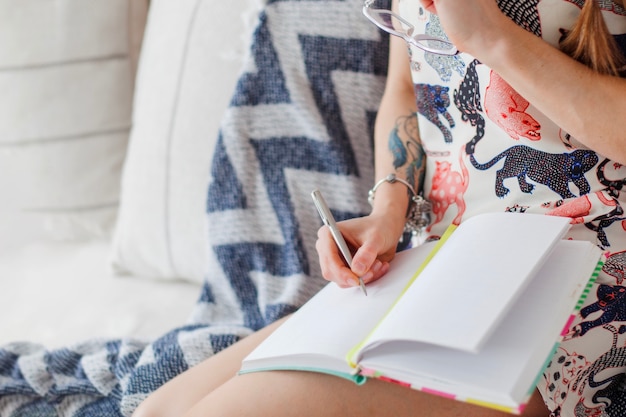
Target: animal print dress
489,149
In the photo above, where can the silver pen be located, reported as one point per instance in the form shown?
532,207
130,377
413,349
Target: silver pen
329,220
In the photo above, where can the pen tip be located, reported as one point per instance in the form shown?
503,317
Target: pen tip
362,285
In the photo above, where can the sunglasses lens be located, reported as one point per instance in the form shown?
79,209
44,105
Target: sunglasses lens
396,25
435,45
390,22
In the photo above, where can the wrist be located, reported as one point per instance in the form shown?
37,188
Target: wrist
385,205
395,197
391,215
389,199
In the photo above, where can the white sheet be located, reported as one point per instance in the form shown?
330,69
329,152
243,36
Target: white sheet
60,293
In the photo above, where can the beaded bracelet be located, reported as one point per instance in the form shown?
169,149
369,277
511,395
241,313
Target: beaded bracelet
418,212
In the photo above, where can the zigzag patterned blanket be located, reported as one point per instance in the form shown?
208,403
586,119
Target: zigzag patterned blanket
301,118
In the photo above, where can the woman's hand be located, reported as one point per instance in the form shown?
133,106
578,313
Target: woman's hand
375,239
471,25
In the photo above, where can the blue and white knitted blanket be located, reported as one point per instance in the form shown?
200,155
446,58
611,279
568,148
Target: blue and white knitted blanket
301,118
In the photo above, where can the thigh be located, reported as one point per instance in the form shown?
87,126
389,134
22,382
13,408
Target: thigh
284,394
181,393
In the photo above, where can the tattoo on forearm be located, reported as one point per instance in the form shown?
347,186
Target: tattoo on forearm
406,148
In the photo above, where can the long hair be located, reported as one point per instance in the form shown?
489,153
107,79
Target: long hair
591,43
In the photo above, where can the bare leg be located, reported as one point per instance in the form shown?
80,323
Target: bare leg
288,394
212,388
180,394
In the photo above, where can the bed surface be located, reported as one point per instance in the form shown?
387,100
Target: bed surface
60,293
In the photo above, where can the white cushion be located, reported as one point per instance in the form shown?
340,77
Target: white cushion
191,59
66,76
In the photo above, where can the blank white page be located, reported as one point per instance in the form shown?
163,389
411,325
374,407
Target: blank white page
336,319
474,278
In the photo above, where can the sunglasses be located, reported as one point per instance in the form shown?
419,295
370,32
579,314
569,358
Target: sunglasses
395,25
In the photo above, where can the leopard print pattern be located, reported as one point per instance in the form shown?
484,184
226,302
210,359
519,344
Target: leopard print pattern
467,100
444,65
553,170
615,266
432,101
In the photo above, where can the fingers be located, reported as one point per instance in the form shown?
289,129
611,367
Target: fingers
364,259
376,271
332,263
369,262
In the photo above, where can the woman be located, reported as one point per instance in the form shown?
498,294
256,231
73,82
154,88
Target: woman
511,99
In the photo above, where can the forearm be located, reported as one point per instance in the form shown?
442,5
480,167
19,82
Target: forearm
397,146
587,105
397,151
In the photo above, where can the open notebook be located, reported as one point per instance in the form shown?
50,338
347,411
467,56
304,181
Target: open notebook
473,317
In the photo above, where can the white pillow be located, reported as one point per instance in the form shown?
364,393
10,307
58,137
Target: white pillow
66,76
191,59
